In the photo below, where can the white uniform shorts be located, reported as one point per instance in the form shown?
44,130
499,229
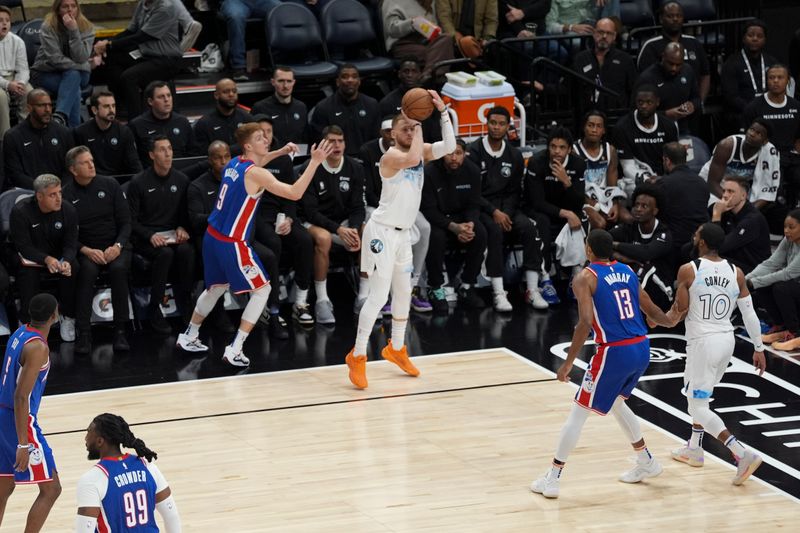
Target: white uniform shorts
385,250
707,358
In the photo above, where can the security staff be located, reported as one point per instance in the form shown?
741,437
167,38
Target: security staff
744,74
111,143
356,113
103,244
159,119
288,114
159,218
222,122
44,231
35,146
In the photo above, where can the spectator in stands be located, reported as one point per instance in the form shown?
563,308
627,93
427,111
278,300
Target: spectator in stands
677,86
104,221
354,112
516,14
554,194
44,232
451,202
148,50
14,73
189,28
746,230
471,33
409,73
685,199
333,213
221,124
201,195
111,142
602,172
609,66
751,156
671,18
289,115
502,169
160,119
236,13
776,287
62,61
402,28
157,199
639,137
35,146
646,245
744,75
578,16
782,112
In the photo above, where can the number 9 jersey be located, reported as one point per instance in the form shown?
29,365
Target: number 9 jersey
124,488
617,315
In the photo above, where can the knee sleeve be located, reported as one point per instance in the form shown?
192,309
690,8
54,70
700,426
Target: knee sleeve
702,414
208,299
254,307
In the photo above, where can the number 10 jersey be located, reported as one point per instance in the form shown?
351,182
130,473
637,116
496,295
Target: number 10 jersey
712,298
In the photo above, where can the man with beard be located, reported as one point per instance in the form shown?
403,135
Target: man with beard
161,120
502,170
639,137
106,492
672,26
609,66
289,115
111,142
646,245
222,123
356,113
387,260
677,86
744,75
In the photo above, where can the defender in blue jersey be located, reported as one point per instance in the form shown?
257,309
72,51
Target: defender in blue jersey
25,456
228,259
122,491
609,301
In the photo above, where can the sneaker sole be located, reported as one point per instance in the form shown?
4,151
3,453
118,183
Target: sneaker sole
749,472
235,363
646,475
688,460
419,309
544,493
303,322
192,349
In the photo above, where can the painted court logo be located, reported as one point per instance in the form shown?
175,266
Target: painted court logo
376,246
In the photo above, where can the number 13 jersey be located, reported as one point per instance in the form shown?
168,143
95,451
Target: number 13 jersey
712,298
617,316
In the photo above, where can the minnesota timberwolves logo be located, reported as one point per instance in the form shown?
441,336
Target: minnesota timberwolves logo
376,246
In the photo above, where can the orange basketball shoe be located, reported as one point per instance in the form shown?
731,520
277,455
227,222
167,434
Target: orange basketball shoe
400,358
358,369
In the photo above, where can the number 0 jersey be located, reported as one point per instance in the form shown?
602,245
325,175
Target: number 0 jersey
235,210
617,316
712,298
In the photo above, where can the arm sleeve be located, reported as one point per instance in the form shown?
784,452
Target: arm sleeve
92,488
448,143
85,524
169,512
751,322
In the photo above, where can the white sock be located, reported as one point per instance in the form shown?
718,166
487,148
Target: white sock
545,276
321,288
193,330
363,288
466,286
238,341
696,440
300,295
735,447
643,455
555,470
497,285
362,339
532,279
414,279
398,334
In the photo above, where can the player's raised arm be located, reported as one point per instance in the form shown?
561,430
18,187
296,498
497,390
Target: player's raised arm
295,191
34,357
583,286
751,322
448,143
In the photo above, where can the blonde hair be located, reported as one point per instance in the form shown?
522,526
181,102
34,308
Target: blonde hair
53,19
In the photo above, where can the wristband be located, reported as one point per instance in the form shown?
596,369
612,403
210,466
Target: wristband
24,447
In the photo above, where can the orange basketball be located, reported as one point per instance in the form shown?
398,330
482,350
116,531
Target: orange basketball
417,104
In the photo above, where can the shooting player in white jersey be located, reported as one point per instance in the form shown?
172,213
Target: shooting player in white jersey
386,255
709,288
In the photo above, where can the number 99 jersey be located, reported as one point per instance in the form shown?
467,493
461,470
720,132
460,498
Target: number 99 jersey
617,315
712,298
124,488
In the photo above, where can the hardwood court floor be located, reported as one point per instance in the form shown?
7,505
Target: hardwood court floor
454,450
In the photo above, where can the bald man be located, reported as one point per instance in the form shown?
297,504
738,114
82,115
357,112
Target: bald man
677,86
222,122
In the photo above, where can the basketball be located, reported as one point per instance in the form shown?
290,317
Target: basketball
417,104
